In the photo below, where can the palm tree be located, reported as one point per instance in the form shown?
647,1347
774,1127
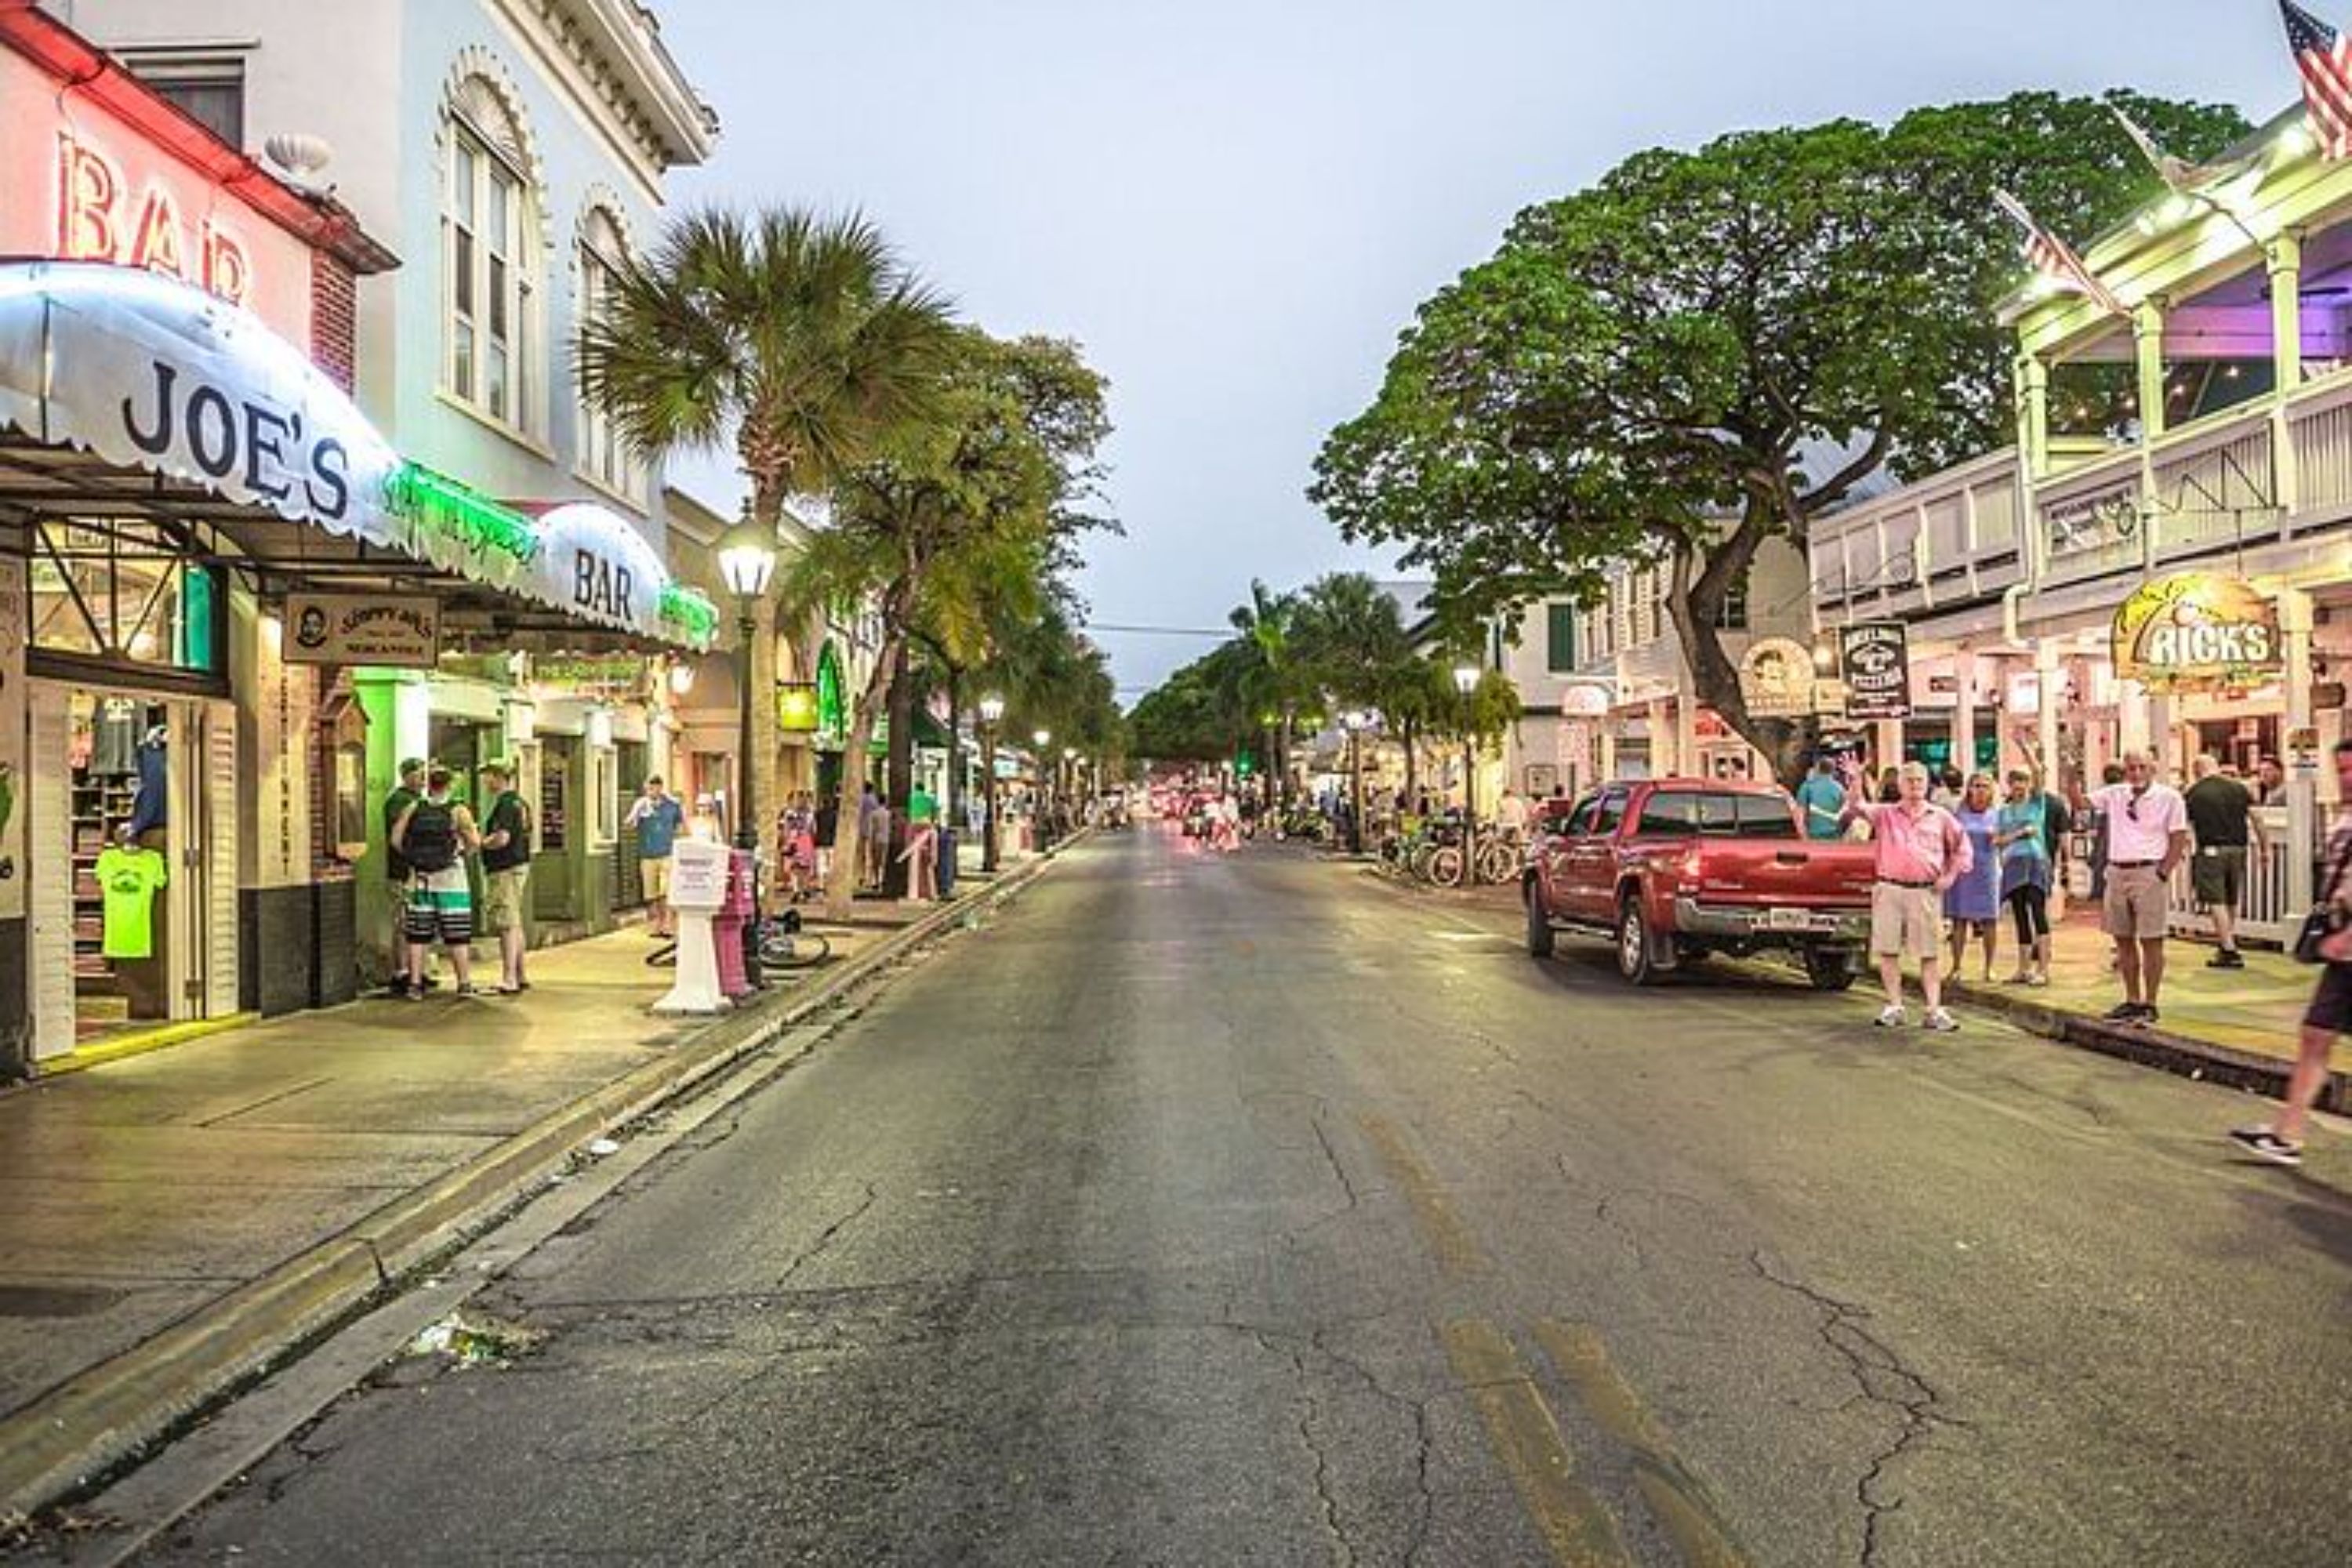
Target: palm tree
1267,677
800,340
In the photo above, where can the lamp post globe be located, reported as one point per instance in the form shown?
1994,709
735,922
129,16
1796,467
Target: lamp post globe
1466,681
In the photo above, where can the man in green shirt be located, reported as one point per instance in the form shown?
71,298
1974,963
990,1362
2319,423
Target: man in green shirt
407,794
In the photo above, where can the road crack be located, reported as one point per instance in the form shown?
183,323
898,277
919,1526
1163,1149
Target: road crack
825,1237
1881,1377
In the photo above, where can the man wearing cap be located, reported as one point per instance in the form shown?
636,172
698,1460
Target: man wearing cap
407,792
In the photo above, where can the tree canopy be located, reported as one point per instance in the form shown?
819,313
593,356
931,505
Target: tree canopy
1705,349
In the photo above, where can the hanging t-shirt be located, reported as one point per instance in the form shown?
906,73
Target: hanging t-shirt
115,745
154,787
128,878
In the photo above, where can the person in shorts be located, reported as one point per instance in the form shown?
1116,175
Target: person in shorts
406,793
435,833
506,874
2280,1140
658,817
2147,836
1920,852
2222,817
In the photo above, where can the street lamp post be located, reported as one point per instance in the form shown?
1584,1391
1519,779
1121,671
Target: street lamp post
991,710
747,559
1355,720
1043,816
1466,681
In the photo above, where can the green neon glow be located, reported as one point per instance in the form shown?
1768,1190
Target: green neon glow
439,501
690,611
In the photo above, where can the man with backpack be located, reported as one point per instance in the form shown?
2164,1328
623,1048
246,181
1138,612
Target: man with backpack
505,873
406,793
435,835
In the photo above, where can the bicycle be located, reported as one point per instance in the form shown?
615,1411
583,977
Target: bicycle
782,946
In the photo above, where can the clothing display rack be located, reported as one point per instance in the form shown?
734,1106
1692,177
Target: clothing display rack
103,749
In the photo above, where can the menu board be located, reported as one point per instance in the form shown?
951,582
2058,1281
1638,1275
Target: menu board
552,818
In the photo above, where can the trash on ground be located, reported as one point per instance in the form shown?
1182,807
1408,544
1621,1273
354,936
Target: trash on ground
476,1339
603,1146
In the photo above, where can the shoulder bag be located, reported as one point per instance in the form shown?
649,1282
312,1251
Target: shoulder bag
2325,919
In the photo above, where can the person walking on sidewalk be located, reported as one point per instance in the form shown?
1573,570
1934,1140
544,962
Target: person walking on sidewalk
2028,868
396,872
2147,836
2279,1140
1920,852
506,874
656,816
1972,903
2221,814
1822,799
436,835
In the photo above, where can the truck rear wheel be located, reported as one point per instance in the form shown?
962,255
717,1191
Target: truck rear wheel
1828,968
1635,960
1540,932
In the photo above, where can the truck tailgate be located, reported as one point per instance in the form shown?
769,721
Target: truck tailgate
1812,874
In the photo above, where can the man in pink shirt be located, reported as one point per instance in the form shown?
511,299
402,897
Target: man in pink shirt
1921,851
2148,835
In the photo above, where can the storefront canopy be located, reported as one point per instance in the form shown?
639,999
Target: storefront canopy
138,393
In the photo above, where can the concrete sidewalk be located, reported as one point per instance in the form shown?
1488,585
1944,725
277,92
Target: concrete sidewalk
251,1175
2231,1026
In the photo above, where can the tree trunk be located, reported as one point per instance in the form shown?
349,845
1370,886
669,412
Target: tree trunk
841,886
1411,768
1695,607
898,787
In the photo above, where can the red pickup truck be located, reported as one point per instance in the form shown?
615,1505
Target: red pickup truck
1672,869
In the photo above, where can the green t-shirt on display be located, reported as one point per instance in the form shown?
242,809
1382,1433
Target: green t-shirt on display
129,879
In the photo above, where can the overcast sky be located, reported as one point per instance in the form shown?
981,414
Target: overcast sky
1236,206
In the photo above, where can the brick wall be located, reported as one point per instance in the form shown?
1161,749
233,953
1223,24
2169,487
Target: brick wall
334,318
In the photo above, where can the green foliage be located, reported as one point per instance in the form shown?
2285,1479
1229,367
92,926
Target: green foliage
1642,370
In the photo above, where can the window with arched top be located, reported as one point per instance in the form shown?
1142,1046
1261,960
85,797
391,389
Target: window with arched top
604,456
489,260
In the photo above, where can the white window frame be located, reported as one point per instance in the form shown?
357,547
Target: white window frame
603,458
489,269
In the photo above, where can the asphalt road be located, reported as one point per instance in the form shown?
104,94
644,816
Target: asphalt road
1206,1211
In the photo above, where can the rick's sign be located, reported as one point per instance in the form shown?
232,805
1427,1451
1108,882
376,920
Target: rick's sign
2197,631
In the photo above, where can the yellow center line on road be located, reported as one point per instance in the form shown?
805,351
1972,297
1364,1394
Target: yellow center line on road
1457,1249
1678,1499
1574,1525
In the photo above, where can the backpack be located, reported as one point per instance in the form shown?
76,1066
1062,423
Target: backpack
431,843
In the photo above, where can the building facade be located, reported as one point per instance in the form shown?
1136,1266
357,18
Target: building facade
513,152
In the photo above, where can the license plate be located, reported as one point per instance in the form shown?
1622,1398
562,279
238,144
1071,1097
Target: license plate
1788,920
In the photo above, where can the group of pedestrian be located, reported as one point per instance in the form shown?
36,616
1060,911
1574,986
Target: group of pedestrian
430,836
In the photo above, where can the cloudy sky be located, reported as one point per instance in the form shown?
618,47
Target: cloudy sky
1235,206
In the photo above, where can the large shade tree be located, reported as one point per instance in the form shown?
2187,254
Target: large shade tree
1706,350
798,341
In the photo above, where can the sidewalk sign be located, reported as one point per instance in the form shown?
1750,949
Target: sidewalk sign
697,888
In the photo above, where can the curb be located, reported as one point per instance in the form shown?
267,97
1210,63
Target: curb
2177,1054
106,1413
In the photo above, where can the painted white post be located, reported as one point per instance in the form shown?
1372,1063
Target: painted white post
2286,361
697,890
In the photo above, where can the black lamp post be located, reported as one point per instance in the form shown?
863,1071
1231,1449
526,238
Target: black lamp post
1043,816
747,559
1354,720
1466,681
991,711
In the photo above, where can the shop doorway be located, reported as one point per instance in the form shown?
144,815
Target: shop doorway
628,866
132,844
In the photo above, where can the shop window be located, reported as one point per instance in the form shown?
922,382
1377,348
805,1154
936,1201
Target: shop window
122,592
489,262
604,456
1733,616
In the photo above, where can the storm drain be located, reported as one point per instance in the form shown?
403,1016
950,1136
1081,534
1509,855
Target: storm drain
56,1301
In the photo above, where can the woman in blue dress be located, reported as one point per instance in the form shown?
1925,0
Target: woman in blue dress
1973,903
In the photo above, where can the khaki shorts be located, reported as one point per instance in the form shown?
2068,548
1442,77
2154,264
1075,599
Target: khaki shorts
656,876
502,894
1906,922
2136,900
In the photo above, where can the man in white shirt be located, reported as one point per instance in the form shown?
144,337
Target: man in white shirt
1511,816
2148,835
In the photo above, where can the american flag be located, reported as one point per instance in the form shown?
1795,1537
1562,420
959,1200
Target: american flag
2055,259
2324,60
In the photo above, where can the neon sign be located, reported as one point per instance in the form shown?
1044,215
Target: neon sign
100,219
